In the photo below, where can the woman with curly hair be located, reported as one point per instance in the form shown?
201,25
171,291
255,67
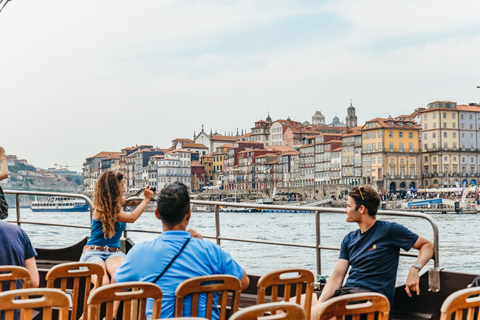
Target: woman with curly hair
108,224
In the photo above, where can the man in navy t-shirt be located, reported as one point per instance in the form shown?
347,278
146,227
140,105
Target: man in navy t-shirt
17,250
373,252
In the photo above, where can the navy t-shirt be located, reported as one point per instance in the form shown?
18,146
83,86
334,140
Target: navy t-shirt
15,246
373,256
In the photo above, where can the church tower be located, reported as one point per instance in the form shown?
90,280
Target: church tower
351,119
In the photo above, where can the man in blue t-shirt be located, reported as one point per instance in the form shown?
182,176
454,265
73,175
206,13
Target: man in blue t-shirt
373,252
146,261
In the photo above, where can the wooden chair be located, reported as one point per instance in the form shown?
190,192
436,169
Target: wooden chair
43,298
289,311
139,292
12,274
459,302
276,278
208,284
355,304
76,271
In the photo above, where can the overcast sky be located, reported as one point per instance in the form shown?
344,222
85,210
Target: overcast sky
80,77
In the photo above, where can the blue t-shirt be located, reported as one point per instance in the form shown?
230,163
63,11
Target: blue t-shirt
373,256
146,260
15,247
97,238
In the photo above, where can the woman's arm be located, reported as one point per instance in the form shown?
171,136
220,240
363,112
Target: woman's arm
3,165
135,214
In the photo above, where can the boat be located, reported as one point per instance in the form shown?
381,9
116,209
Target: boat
436,284
59,204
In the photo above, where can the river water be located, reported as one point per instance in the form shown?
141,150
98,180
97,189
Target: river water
458,236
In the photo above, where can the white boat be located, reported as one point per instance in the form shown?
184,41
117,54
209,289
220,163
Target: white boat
61,204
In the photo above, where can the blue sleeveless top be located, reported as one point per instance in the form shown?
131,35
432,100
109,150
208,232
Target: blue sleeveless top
98,239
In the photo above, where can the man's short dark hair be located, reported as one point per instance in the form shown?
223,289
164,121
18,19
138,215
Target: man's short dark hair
173,203
366,196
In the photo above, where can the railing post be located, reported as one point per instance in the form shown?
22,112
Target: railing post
17,207
317,236
217,223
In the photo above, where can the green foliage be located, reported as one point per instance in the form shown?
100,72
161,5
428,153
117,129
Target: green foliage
20,166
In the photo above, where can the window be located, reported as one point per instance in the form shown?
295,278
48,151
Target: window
434,147
425,135
426,159
373,147
402,160
391,146
434,135
444,115
434,125
379,134
368,135
410,134
380,149
434,115
445,146
454,146
453,115
434,159
425,117
445,135
410,147
470,117
462,116
400,134
454,135
401,146
390,133
364,135
373,135
392,160
444,124
454,125
425,127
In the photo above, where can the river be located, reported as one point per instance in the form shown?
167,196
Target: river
458,237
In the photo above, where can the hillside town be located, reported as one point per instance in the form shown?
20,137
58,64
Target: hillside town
436,146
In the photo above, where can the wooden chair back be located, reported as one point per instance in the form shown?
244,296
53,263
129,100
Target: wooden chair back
134,296
76,271
43,299
459,302
287,277
208,285
356,304
288,311
10,275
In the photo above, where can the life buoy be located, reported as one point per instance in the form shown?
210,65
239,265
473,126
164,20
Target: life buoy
413,206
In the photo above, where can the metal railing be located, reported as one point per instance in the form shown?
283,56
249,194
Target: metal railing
433,275
19,221
317,210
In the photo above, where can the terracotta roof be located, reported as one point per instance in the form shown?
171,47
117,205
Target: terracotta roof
194,145
465,107
279,148
219,137
337,149
246,135
183,139
158,156
382,122
196,163
226,145
105,154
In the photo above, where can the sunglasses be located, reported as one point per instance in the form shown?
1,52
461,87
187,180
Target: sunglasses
360,191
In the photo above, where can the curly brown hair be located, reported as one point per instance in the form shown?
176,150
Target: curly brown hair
108,200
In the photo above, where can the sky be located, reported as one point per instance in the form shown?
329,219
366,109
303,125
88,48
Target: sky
77,78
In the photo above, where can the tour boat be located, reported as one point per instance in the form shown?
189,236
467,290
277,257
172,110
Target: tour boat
436,284
59,204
